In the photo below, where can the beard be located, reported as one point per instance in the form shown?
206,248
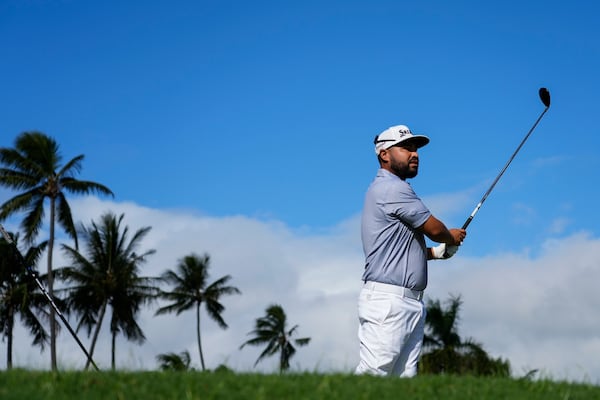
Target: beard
404,170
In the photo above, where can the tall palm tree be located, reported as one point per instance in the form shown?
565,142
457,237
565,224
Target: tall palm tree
34,167
108,276
19,294
190,288
272,331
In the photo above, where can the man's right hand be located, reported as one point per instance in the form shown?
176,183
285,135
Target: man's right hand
458,235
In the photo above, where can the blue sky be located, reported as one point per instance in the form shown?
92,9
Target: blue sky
265,112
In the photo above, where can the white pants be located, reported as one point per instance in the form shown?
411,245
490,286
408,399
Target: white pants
390,332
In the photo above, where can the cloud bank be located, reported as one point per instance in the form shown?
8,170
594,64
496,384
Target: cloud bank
539,313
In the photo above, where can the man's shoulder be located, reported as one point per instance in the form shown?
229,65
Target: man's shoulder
386,179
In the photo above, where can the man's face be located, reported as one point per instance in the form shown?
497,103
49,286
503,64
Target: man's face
402,160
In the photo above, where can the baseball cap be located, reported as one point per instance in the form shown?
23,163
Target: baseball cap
395,135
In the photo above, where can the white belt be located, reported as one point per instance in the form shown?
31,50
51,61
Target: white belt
394,289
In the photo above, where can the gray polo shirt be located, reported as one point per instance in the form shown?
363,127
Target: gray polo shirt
395,252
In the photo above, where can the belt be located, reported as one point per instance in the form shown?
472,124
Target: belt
394,289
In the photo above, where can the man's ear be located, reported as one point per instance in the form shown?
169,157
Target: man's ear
384,156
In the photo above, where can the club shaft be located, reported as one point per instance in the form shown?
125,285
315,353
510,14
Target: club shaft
468,221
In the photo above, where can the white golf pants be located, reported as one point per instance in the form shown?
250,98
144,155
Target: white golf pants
390,331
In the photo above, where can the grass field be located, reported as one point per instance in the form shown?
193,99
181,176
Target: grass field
44,385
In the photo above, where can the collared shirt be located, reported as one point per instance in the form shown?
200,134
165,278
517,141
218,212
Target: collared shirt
395,252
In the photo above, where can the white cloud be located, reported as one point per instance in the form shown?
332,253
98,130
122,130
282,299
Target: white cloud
547,162
523,214
537,312
445,204
559,225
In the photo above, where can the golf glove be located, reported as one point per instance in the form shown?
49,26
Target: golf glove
443,251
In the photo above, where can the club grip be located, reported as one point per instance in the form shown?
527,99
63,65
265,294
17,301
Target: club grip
467,222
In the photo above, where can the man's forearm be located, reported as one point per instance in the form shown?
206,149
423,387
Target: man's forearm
435,230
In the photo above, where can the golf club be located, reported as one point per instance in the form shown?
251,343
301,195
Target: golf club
33,274
545,98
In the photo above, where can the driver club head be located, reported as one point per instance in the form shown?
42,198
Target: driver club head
545,96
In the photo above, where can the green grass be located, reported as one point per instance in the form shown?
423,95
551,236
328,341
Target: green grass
150,385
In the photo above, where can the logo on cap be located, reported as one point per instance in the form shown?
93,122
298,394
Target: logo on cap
404,131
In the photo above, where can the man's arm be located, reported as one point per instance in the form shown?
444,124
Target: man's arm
435,230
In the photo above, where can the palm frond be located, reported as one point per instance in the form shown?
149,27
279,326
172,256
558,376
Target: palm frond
302,341
75,186
272,348
65,218
17,180
71,168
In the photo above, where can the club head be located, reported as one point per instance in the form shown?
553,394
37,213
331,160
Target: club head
545,96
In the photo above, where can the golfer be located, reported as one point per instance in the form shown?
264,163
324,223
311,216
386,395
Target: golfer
394,225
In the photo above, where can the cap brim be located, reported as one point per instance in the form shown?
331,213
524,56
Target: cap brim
418,140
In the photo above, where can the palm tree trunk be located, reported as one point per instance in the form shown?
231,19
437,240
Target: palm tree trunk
198,334
9,340
95,337
282,356
113,345
51,288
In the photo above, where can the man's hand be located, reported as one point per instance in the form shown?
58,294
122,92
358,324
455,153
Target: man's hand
458,235
450,250
443,251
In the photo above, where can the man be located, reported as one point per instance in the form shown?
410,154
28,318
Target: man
394,225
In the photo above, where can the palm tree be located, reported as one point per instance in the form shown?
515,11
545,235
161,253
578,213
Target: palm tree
174,362
446,352
34,167
442,324
190,288
272,331
19,294
108,275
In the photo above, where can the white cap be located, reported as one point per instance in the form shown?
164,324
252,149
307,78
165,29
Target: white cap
397,134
